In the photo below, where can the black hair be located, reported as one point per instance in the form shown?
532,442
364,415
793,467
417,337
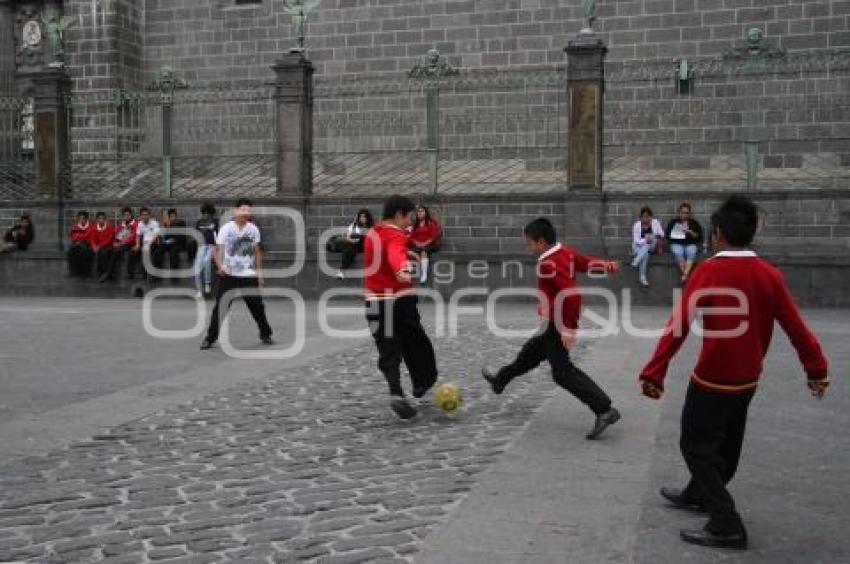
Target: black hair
541,228
83,213
243,202
370,222
685,205
172,211
427,219
30,228
126,209
207,208
397,204
144,209
737,220
100,214
646,209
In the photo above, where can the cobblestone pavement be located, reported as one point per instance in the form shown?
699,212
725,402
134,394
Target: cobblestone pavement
306,466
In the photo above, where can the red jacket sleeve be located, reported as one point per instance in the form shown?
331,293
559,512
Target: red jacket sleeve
675,332
397,255
808,348
583,263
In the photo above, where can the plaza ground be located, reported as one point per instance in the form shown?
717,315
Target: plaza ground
116,446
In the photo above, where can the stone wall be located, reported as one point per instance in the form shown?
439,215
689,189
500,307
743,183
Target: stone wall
656,139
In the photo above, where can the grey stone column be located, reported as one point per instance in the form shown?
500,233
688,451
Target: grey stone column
7,48
52,87
294,124
8,117
586,85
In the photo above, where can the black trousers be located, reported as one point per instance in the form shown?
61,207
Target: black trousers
80,260
254,303
713,427
103,260
349,253
548,346
135,262
116,255
396,326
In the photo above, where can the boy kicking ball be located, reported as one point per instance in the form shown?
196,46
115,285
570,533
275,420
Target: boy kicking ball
747,294
391,307
556,268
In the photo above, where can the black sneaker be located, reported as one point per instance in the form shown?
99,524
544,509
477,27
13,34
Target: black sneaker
680,501
402,408
603,421
267,340
206,344
497,386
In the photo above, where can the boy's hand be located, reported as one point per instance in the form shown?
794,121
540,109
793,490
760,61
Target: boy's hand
818,387
650,390
569,338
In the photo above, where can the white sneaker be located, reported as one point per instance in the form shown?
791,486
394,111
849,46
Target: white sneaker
644,282
208,288
340,275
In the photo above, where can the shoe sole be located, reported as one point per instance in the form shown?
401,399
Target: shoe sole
739,545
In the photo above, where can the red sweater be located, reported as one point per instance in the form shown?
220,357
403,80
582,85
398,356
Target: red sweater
82,233
125,233
733,363
556,274
102,237
425,234
385,257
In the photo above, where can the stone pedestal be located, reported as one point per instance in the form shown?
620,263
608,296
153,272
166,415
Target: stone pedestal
294,123
585,84
52,87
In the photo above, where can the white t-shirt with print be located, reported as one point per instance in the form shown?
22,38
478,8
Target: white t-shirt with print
239,248
147,232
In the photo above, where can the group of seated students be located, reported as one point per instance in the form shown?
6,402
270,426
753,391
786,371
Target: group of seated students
104,244
683,236
19,237
425,238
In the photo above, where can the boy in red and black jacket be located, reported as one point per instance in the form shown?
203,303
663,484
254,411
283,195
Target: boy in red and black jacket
80,253
101,244
559,308
741,295
391,307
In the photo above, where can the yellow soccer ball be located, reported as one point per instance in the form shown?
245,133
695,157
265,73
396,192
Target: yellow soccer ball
447,397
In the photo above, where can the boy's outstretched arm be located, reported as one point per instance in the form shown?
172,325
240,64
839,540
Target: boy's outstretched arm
808,348
675,332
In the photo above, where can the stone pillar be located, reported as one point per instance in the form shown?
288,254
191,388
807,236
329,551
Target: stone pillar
8,112
294,124
52,87
586,85
7,48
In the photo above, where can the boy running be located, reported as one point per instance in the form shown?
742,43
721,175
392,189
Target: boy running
748,294
556,268
391,308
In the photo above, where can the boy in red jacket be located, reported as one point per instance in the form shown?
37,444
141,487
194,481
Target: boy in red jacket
101,244
80,254
556,268
746,295
391,307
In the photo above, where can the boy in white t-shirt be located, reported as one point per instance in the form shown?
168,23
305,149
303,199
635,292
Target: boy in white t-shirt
238,259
